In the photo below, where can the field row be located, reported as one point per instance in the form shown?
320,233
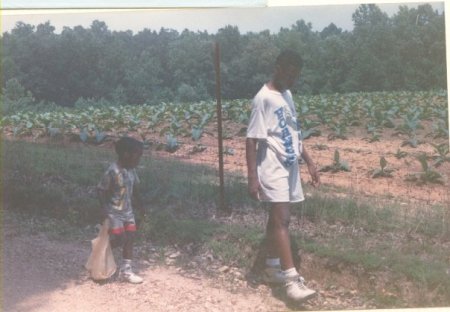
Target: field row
404,112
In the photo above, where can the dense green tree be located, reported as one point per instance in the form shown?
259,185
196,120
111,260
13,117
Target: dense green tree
402,52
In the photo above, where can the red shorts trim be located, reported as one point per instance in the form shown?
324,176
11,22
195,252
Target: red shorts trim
129,227
117,231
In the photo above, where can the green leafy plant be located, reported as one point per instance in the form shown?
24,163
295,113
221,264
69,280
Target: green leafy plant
374,131
196,133
171,143
320,147
428,175
339,132
84,135
411,124
97,137
442,150
412,141
383,171
309,129
338,164
400,154
198,148
440,129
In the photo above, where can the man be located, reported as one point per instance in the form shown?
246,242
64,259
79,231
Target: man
273,149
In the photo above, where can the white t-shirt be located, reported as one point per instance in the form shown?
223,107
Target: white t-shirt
274,120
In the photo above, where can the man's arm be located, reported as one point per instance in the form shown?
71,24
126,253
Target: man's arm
253,182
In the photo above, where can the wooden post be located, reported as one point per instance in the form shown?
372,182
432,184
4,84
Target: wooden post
222,205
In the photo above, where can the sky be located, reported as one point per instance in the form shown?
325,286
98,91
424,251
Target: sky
122,4
252,17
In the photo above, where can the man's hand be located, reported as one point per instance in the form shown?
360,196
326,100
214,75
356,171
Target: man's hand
254,188
311,168
314,175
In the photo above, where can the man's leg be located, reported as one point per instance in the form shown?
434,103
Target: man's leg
279,245
277,234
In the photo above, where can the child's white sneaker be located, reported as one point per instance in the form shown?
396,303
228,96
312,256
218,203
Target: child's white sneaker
127,274
131,277
296,289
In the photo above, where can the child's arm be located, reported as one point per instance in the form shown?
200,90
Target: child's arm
104,194
103,198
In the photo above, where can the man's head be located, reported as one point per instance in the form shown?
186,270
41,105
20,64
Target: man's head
287,69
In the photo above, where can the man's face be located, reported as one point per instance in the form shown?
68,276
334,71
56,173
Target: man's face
286,76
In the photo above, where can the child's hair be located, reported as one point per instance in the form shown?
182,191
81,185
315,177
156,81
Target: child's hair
127,145
289,57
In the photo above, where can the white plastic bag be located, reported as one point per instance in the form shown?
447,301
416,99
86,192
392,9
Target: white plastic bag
101,264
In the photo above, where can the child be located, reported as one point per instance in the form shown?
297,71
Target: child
115,191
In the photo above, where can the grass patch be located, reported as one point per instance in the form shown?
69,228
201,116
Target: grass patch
164,228
236,244
345,252
429,271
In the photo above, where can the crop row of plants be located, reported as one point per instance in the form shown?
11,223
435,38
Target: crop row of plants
403,112
429,165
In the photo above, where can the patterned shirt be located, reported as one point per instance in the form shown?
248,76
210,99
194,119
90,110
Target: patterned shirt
118,183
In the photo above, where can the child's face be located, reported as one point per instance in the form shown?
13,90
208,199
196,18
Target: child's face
131,160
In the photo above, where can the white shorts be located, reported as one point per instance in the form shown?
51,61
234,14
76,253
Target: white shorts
279,184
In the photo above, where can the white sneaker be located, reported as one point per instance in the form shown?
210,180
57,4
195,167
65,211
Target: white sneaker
129,276
273,275
296,289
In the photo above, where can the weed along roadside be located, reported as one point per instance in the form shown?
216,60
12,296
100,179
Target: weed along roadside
360,251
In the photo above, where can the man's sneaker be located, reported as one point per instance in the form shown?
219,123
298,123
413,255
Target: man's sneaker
274,275
296,289
129,276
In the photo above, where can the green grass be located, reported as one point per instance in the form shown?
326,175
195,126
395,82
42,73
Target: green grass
51,189
59,181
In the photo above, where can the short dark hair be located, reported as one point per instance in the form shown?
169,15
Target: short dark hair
127,145
289,57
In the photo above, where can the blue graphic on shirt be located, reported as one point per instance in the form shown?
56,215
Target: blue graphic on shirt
286,137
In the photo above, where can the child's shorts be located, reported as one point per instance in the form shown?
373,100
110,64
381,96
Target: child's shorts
280,184
122,222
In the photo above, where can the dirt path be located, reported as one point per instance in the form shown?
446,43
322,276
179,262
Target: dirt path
45,275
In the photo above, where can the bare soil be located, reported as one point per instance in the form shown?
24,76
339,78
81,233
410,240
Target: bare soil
362,156
44,274
41,274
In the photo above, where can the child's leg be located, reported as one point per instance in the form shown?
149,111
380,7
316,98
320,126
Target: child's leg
128,245
126,269
117,240
116,231
130,229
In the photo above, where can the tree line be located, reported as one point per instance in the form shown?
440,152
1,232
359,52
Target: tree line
381,53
